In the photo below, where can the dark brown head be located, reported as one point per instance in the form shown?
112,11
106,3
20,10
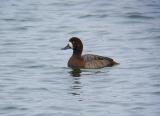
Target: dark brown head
75,44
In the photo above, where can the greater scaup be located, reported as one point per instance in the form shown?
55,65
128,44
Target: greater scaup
77,60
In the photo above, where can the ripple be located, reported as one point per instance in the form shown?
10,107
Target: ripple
155,93
93,16
9,19
156,85
136,15
13,108
31,89
22,28
35,66
60,108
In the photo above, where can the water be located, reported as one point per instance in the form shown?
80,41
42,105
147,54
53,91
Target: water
35,80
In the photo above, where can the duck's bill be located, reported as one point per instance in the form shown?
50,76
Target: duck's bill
67,47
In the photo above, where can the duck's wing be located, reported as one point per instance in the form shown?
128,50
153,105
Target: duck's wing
96,61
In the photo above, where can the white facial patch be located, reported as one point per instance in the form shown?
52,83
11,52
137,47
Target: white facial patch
70,45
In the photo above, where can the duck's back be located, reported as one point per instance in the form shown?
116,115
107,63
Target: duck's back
96,61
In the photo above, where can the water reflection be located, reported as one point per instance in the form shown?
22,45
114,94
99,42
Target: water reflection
75,72
76,86
76,82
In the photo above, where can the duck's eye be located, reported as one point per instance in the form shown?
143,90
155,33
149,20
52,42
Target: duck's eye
70,44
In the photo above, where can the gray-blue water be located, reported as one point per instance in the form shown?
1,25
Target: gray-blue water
35,80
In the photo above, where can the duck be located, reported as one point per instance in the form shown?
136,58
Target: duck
87,61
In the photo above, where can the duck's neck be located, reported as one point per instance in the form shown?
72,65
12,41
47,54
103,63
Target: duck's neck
77,53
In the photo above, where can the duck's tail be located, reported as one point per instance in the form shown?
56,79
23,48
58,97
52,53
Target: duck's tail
115,63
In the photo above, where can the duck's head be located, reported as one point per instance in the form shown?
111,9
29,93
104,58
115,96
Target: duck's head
75,44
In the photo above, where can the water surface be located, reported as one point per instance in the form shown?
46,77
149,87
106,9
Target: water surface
35,80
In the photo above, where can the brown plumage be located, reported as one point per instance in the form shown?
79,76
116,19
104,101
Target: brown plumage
86,61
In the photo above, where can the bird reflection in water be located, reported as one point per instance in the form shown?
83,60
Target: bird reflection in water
76,85
75,72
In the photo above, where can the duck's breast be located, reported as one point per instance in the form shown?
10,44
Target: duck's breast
76,62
